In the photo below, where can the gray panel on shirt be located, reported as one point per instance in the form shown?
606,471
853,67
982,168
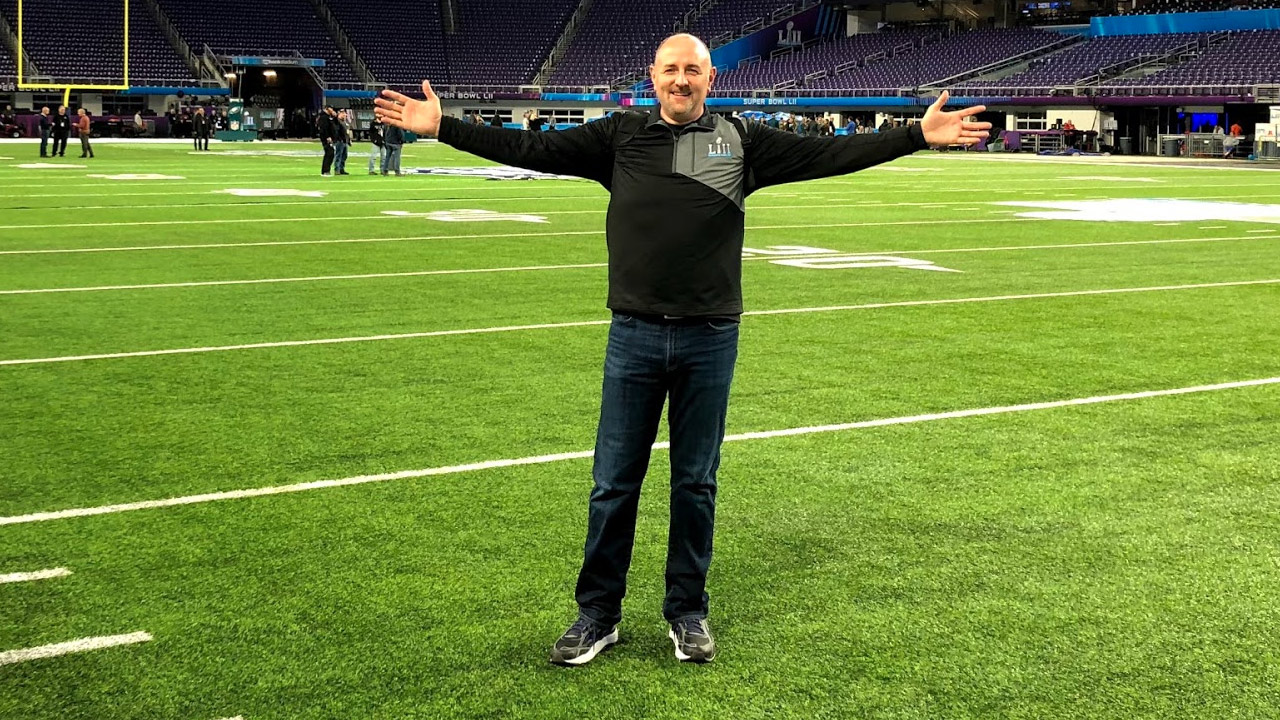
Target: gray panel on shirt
715,159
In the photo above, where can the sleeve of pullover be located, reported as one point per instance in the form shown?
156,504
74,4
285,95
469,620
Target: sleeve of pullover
777,157
585,151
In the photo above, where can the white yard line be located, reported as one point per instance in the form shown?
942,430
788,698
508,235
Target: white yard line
74,646
371,217
577,266
37,575
587,323
584,454
339,241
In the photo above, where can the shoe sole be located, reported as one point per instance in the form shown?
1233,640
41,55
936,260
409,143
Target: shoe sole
590,655
683,657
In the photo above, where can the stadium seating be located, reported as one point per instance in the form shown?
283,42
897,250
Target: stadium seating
1245,59
494,44
826,56
7,67
78,39
246,27
617,38
402,43
732,16
1081,61
909,60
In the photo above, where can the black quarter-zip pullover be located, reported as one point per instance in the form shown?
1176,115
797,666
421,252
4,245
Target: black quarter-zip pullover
676,209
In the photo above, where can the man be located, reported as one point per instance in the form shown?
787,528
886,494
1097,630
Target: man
341,143
375,146
393,143
200,130
678,177
1231,140
61,131
46,126
139,125
83,126
325,128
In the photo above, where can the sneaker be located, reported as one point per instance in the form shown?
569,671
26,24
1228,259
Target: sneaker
692,637
582,642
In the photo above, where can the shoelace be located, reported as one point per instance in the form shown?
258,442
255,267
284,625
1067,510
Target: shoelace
693,626
580,629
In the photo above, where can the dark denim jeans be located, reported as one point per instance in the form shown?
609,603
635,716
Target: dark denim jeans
645,363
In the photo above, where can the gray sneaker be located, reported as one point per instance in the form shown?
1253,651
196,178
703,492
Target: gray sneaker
582,642
693,640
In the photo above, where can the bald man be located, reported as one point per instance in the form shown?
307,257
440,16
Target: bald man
678,177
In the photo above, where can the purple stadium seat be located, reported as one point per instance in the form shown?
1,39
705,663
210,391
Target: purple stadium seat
79,39
250,27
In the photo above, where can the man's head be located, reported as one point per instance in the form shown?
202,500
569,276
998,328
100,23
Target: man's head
62,109
44,110
682,74
80,112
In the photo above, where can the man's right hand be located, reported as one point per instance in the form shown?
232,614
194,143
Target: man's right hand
418,116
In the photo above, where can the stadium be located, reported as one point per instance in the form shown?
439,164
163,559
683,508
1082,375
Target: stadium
298,422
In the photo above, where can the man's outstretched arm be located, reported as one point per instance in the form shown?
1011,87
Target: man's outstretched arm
780,157
585,151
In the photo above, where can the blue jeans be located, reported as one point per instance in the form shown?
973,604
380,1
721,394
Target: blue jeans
391,158
645,363
340,156
375,158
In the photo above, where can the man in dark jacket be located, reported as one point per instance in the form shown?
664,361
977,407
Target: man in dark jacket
61,131
46,127
326,128
675,289
375,146
200,130
392,143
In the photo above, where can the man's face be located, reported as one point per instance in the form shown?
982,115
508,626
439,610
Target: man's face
682,74
62,109
44,110
80,111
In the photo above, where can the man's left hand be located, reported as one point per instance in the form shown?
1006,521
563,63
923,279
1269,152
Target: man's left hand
952,128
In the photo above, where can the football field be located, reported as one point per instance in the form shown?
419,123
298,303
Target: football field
1004,442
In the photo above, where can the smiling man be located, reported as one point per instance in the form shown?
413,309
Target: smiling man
678,177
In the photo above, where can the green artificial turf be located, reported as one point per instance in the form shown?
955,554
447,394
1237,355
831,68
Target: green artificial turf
1112,560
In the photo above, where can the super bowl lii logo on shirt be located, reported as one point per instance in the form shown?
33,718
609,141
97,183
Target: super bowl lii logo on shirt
719,149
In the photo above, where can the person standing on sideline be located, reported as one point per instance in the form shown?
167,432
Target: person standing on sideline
393,143
61,131
675,289
46,126
341,143
200,130
325,122
83,126
376,150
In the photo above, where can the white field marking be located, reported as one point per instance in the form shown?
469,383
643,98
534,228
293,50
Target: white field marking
586,323
944,186
74,646
1259,231
49,166
37,575
584,454
477,237
814,254
452,200
380,216
1166,224
272,192
137,176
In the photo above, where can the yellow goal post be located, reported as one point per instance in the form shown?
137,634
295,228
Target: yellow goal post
66,88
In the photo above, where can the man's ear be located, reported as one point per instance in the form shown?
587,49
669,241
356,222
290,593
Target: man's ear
711,78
